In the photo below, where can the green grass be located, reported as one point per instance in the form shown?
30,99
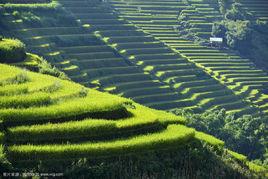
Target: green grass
69,109
169,138
7,74
143,119
238,156
90,104
209,139
18,79
24,101
13,90
257,168
34,6
35,85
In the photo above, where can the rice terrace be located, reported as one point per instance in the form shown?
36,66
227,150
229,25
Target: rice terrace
134,89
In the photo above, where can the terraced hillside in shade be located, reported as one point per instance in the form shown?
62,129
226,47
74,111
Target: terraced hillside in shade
159,19
86,59
57,122
106,52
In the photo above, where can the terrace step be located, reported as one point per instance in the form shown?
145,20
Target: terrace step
101,63
96,55
134,35
81,49
124,87
147,91
155,98
165,105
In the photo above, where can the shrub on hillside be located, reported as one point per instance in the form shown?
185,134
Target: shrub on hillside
218,29
11,51
58,19
237,33
223,5
27,17
46,68
83,92
52,88
238,13
18,79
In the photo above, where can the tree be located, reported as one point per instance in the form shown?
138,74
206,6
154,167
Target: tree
246,134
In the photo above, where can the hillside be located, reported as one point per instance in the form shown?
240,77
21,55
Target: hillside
148,71
150,52
259,8
237,74
48,120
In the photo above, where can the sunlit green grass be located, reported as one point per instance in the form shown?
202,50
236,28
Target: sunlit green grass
23,101
208,139
34,6
168,138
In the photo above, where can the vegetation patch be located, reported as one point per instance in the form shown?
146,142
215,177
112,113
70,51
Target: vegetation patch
244,134
244,33
26,17
17,79
11,50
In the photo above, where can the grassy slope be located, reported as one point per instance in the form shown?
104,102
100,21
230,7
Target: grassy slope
64,121
130,117
102,111
198,91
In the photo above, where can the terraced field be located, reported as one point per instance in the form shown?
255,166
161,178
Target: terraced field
144,59
87,60
130,61
50,123
199,15
48,119
130,49
238,74
161,62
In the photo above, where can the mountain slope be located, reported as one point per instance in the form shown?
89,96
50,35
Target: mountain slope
236,73
108,53
58,122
